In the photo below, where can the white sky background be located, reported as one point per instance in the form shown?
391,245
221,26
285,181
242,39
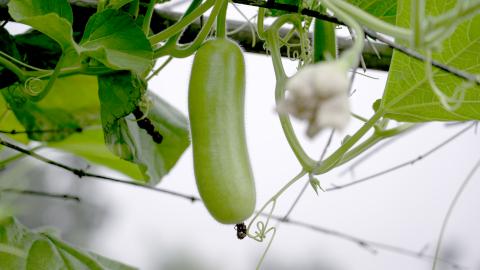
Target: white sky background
404,208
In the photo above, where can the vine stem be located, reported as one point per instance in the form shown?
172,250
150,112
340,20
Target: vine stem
274,198
173,40
81,173
262,228
51,80
457,196
222,19
361,242
353,54
148,17
336,156
178,27
13,158
414,54
271,36
40,193
13,68
373,22
185,51
376,137
404,164
260,23
160,68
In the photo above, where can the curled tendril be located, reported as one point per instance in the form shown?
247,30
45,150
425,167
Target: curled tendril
295,55
248,22
289,56
33,86
450,103
262,229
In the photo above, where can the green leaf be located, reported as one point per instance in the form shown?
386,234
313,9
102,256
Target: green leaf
135,144
37,118
110,264
408,96
77,97
14,237
383,9
51,17
119,94
21,9
113,38
90,145
46,252
44,256
116,4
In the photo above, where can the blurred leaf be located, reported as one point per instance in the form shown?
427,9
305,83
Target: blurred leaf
44,256
408,96
113,38
14,236
45,252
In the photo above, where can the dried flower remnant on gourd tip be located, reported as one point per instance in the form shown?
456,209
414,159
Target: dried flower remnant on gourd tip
318,93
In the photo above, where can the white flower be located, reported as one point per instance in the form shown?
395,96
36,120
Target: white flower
318,93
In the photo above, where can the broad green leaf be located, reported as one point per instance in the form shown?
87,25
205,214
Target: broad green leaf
383,9
51,17
41,251
22,9
113,38
119,94
136,144
77,97
71,104
408,96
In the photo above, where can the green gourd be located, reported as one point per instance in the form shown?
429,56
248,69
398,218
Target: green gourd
216,110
